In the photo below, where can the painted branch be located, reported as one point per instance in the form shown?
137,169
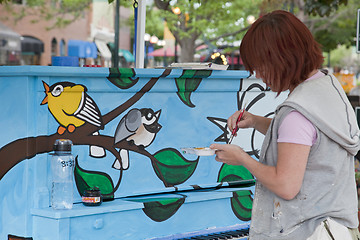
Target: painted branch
26,148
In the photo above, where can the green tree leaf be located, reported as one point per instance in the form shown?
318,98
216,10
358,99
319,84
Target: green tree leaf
241,204
86,180
172,168
161,209
122,77
241,201
234,173
188,82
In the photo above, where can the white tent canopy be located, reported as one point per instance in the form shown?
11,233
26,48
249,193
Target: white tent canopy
103,49
9,39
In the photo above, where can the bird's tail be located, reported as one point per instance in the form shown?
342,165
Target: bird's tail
95,151
124,154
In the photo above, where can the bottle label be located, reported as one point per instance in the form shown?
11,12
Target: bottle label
69,163
91,199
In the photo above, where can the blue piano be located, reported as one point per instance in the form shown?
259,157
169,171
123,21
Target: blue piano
151,188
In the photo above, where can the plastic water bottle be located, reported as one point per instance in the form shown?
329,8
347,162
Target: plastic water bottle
62,165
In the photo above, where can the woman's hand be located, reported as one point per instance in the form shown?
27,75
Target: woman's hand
249,120
246,121
228,153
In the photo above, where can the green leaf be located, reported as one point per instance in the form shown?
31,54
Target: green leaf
188,82
86,180
234,173
241,204
122,77
172,168
161,209
241,201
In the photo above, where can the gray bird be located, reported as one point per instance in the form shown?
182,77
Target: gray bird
138,127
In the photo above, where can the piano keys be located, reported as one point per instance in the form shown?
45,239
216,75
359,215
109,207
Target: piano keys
237,232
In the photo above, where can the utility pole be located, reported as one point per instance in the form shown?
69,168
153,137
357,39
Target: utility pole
358,32
116,42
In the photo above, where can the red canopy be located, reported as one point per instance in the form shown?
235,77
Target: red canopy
165,51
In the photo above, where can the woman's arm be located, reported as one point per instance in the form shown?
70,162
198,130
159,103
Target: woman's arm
284,179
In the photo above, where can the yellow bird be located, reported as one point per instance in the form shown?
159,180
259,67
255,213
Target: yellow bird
72,107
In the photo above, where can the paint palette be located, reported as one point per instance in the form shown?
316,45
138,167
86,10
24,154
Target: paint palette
203,151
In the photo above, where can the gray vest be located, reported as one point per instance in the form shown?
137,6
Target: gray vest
328,188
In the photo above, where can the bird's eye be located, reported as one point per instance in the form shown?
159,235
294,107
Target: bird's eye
149,116
57,90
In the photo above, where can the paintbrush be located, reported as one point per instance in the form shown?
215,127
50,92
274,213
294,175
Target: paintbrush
236,126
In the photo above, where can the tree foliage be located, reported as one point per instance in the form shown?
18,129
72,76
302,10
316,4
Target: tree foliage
202,22
332,22
323,7
217,20
58,15
337,29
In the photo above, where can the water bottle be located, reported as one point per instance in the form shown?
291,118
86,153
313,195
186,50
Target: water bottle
62,165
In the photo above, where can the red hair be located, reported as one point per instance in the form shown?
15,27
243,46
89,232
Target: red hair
282,49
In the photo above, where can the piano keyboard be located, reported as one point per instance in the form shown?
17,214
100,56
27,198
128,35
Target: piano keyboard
237,232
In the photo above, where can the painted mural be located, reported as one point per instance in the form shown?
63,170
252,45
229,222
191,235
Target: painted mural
135,127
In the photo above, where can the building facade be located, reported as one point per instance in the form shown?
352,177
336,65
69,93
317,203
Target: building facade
40,41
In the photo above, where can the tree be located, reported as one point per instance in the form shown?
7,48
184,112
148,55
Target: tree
202,22
306,7
207,21
339,28
323,7
332,23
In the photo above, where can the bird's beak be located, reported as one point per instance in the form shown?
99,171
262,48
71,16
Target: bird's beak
46,87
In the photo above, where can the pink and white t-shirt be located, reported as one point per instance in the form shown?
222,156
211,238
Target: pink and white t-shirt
295,128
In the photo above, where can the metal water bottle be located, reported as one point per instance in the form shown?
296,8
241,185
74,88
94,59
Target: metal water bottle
62,165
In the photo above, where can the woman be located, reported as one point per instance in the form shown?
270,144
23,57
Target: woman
305,175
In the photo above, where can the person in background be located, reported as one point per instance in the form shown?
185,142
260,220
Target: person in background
305,187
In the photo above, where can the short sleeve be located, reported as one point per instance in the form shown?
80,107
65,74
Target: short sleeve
295,128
